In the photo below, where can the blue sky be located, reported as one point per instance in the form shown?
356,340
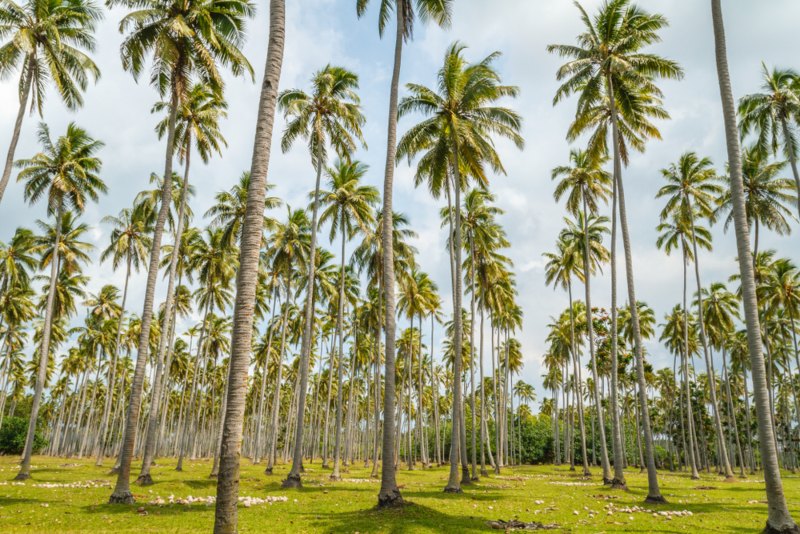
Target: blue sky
117,111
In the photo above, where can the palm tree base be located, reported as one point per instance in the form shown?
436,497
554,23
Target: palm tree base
268,471
145,480
484,473
655,499
335,477
390,499
212,475
475,479
22,476
292,481
453,489
619,484
124,497
115,470
786,529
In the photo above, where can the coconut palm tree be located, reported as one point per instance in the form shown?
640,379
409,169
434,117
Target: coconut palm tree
772,116
186,39
231,206
348,207
197,126
779,519
560,268
766,195
587,184
462,118
128,243
48,42
17,259
65,173
329,115
405,12
610,71
691,190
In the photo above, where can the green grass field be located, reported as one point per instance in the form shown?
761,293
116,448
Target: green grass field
69,495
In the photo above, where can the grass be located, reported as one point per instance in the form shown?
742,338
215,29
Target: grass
531,493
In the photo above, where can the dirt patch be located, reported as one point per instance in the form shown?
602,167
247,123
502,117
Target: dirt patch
520,525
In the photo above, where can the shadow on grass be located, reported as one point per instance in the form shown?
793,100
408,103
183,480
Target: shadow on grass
11,501
409,518
200,484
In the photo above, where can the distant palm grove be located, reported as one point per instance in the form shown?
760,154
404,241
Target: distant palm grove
310,335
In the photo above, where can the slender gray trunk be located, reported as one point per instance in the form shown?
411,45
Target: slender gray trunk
24,94
44,353
779,518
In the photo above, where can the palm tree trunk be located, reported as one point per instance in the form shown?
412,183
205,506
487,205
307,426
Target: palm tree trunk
779,519
616,428
25,85
590,333
335,475
389,494
293,480
577,383
44,352
653,491
472,362
144,478
122,493
263,391
453,485
726,379
276,395
226,519
483,401
325,437
723,452
102,438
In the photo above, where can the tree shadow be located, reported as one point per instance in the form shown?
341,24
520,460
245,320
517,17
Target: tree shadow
200,484
409,518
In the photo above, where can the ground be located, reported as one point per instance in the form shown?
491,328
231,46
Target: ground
70,495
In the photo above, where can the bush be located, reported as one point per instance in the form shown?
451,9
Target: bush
13,433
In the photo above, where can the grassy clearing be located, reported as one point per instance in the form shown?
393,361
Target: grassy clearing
69,495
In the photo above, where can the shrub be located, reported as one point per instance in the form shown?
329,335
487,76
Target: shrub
13,433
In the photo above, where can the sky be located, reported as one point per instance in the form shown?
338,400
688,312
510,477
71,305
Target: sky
319,32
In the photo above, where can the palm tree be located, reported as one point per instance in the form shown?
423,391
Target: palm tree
609,69
197,126
186,38
17,260
231,206
771,116
779,519
691,190
561,266
461,120
225,518
46,42
66,174
587,184
439,11
766,195
331,114
348,207
129,241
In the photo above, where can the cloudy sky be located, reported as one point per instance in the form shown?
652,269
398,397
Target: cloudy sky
117,111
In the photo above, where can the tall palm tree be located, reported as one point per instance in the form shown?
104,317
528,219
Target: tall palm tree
330,115
691,190
778,519
186,39
587,183
348,207
766,195
609,68
405,12
772,116
231,206
47,41
461,119
66,174
197,126
128,243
